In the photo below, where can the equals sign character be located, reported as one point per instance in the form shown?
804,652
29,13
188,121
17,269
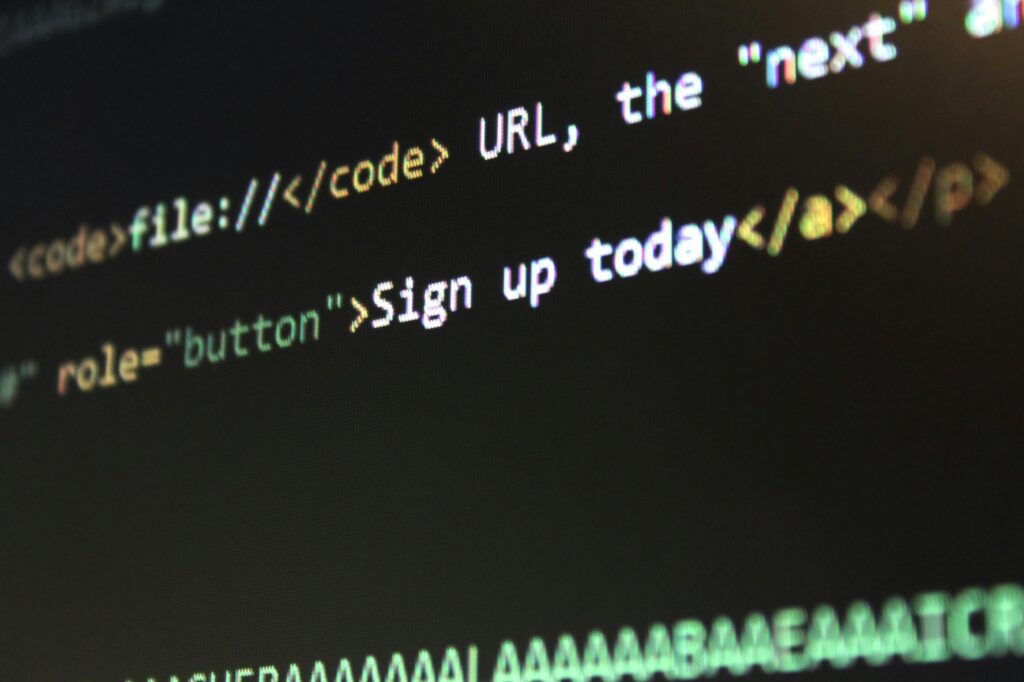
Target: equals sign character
151,357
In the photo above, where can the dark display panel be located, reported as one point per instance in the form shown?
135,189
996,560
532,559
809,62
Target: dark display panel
562,341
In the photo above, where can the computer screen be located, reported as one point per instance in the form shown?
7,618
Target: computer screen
605,341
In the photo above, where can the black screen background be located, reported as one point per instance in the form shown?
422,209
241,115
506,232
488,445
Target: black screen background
840,422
